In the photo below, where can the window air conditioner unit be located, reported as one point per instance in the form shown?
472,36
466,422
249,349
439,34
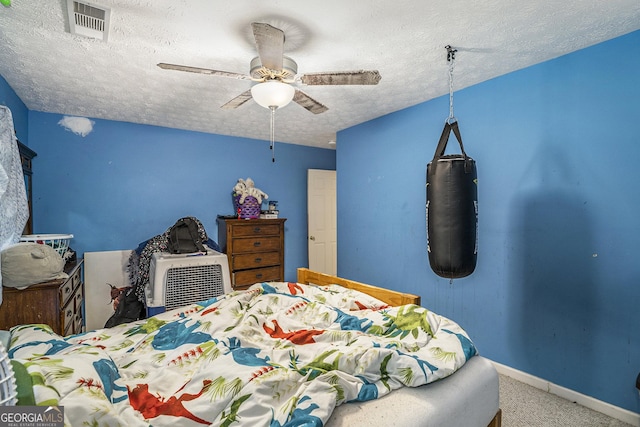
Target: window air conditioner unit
177,280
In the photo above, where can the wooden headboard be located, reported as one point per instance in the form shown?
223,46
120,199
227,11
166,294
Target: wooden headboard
392,298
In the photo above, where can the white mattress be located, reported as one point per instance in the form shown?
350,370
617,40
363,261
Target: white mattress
468,398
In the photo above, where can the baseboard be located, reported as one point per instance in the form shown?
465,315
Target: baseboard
571,395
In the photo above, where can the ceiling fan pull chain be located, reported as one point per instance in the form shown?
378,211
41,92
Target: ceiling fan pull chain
451,56
273,133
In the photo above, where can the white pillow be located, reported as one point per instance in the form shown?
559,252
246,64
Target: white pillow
26,264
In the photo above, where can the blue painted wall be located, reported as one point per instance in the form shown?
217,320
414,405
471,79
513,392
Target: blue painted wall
556,290
124,183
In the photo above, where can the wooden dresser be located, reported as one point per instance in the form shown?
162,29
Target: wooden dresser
57,303
255,248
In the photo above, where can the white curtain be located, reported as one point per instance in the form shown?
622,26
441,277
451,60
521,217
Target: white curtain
14,210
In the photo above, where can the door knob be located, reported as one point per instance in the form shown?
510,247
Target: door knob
312,238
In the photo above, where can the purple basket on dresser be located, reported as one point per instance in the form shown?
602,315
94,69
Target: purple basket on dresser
250,209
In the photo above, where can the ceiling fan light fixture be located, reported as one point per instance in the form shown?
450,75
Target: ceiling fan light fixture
272,93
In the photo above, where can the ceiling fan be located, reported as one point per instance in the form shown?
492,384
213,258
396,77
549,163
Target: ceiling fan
276,72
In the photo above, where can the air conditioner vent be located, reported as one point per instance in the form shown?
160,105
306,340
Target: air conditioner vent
88,19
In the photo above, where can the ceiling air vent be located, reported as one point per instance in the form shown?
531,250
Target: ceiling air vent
88,19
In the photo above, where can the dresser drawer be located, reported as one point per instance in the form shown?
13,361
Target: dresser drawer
68,317
256,230
72,312
67,289
256,244
77,300
249,277
255,260
78,325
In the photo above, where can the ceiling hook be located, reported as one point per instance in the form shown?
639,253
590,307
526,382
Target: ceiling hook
451,53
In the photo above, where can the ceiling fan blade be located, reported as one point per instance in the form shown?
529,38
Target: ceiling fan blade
362,77
270,45
189,69
308,102
238,100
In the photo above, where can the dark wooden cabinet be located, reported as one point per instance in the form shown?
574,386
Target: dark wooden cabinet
57,303
26,155
255,249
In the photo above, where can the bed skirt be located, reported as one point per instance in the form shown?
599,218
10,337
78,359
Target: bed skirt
468,398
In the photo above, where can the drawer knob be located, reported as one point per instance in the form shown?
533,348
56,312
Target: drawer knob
256,229
258,260
259,275
256,244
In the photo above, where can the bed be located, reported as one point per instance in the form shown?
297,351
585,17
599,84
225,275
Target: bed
469,398
321,351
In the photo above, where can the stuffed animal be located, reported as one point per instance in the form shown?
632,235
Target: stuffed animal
246,188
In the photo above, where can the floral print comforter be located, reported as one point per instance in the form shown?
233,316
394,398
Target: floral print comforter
279,354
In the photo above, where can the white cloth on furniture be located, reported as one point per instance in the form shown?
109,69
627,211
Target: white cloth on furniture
14,210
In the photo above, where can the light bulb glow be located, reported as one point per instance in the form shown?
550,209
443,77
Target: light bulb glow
272,93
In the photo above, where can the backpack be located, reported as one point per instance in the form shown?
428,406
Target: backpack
184,237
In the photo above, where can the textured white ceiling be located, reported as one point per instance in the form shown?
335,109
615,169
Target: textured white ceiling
54,71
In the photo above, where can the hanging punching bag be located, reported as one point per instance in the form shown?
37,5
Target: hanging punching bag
452,210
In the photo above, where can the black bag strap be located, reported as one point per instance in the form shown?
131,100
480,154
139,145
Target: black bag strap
442,145
195,235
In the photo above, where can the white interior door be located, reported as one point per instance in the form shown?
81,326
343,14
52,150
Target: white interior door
322,217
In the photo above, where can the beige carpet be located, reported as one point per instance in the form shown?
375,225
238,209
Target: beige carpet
526,406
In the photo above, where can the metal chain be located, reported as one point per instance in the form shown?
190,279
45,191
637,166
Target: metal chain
272,141
451,59
451,118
